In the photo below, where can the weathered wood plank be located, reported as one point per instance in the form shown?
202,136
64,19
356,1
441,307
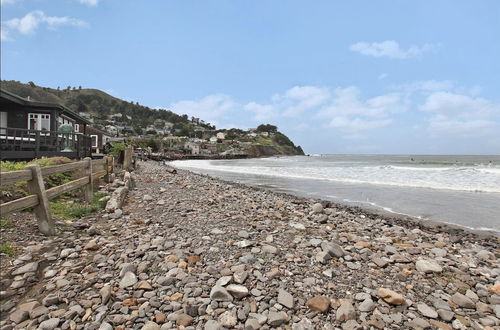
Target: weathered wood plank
72,185
19,204
96,162
36,186
10,177
55,169
89,188
99,174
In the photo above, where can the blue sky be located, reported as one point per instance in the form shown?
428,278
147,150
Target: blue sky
336,76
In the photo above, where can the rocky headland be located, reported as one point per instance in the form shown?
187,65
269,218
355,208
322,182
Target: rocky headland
192,252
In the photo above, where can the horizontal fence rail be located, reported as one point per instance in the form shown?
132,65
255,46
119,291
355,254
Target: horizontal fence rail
39,196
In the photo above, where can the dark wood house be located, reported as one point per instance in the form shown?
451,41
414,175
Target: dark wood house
30,129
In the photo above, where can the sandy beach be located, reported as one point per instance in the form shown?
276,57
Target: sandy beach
192,252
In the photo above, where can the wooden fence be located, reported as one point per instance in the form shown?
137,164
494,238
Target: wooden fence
39,197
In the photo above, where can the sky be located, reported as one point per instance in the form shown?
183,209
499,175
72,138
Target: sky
345,77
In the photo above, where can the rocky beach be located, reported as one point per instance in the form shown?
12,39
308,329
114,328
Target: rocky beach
188,251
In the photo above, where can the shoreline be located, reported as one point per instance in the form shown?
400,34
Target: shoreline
411,221
191,251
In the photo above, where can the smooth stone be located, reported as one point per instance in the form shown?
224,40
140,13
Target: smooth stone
276,318
391,297
49,324
237,291
317,208
285,298
427,311
428,266
218,293
28,268
128,280
345,312
228,319
367,305
462,300
212,325
319,304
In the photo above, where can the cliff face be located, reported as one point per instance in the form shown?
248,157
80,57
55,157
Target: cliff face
268,151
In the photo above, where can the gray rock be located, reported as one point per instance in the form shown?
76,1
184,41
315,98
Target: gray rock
304,324
128,280
462,300
285,298
19,316
28,268
427,311
105,293
445,315
367,305
150,326
105,326
49,324
345,312
333,249
212,325
323,257
252,324
317,208
218,293
428,266
276,318
237,291
228,319
269,249
50,300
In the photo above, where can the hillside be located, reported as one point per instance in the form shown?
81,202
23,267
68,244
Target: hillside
97,103
138,120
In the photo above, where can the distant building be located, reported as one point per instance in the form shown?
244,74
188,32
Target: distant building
221,135
98,138
252,134
193,147
213,139
266,134
113,130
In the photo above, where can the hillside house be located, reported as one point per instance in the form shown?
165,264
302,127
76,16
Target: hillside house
213,139
98,139
192,147
221,135
30,129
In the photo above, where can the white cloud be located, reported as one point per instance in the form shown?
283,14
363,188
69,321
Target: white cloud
304,98
439,126
4,35
447,103
426,86
262,112
357,124
7,2
211,108
91,3
382,76
461,115
29,23
389,48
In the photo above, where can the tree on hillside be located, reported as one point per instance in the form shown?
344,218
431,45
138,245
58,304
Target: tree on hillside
267,128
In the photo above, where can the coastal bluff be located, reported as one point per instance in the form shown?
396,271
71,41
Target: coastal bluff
189,251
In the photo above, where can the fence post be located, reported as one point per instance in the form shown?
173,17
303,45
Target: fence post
89,188
106,177
42,210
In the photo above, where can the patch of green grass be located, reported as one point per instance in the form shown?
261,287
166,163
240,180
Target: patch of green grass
71,209
5,223
7,248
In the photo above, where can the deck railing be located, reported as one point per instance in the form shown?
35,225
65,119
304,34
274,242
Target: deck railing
19,143
39,197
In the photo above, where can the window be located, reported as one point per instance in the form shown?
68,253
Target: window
94,141
39,121
77,128
3,122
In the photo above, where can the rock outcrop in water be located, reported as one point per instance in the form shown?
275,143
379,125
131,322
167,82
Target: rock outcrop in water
194,252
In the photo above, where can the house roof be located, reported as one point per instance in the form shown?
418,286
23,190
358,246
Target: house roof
4,94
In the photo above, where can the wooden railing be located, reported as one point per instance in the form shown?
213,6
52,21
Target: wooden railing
19,143
39,197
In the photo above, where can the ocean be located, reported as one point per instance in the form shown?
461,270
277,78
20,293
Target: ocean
462,190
